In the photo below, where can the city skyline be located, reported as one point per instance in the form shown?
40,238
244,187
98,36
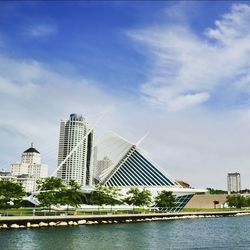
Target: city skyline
182,78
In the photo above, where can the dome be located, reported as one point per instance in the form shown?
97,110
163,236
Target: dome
31,150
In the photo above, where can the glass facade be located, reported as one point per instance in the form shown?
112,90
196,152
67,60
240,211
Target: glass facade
136,170
180,202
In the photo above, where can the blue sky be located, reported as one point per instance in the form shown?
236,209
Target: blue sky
178,70
90,37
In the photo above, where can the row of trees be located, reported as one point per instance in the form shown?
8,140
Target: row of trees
238,201
216,191
54,192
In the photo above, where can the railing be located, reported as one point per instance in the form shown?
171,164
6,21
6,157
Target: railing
100,211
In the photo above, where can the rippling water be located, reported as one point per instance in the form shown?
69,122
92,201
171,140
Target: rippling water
210,233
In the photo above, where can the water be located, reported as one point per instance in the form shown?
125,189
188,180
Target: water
210,233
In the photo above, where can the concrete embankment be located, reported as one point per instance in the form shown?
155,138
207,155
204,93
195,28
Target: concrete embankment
74,220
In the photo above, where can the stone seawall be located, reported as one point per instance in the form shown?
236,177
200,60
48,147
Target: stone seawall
7,222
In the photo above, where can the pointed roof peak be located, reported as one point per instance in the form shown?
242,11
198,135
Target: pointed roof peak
31,149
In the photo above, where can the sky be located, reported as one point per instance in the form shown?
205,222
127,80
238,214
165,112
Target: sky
177,71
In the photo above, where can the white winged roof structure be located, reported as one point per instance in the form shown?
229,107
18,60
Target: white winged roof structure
121,163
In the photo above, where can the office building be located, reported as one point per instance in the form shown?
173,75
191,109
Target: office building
5,175
30,169
28,183
76,151
233,182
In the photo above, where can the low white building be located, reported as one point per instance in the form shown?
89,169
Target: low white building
30,169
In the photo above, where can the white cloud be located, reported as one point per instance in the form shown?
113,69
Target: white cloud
190,146
34,99
198,145
232,26
189,100
41,30
184,64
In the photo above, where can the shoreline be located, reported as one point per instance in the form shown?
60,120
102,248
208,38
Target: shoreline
16,222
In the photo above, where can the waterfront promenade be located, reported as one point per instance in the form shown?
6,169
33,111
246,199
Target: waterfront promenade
65,220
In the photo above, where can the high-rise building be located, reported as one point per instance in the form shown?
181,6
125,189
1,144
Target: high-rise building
30,169
233,182
77,142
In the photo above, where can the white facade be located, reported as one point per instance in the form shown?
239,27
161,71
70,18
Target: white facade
28,183
76,140
7,176
30,169
233,182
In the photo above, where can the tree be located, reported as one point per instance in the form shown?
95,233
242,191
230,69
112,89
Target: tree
137,197
11,194
50,183
216,203
104,195
47,198
165,199
237,201
50,189
247,201
216,191
54,192
71,195
74,185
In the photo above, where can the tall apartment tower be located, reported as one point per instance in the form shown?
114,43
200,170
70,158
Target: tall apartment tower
233,182
79,166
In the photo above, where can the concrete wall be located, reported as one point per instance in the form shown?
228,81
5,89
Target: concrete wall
206,201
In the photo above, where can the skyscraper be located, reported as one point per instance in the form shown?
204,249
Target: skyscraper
233,182
75,136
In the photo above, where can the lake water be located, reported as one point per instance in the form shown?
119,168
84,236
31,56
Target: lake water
209,233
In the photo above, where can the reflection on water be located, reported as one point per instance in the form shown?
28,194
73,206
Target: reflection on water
212,233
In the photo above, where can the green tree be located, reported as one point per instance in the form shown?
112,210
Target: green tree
50,189
48,198
216,191
165,199
54,192
70,195
50,183
104,195
247,201
11,194
237,201
137,197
